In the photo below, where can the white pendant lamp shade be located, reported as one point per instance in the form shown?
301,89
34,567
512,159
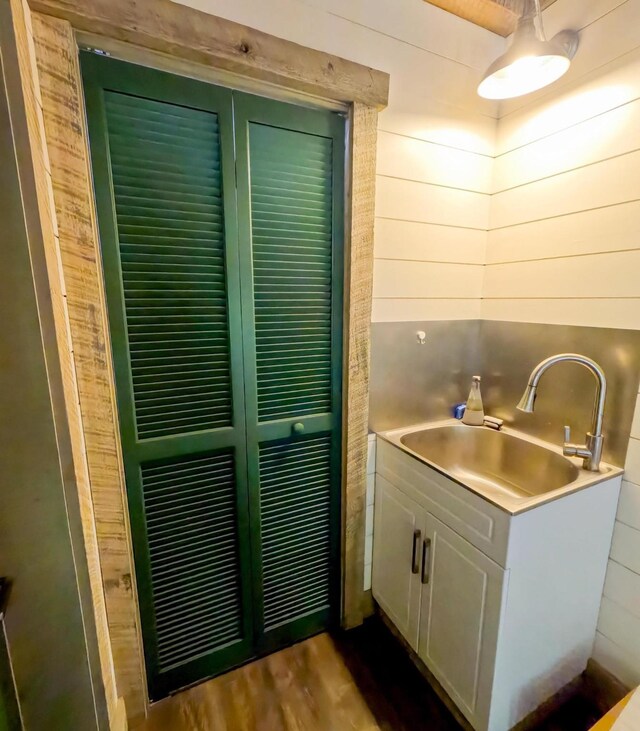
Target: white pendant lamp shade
531,62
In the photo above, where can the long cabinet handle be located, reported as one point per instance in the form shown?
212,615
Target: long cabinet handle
415,566
426,560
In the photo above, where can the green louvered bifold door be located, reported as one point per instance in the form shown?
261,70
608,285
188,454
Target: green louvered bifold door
163,162
290,192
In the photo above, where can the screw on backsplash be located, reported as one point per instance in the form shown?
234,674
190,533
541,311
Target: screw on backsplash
421,337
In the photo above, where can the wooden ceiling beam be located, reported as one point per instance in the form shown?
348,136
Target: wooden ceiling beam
498,16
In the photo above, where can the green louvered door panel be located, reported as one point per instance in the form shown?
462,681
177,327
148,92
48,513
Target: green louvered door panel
290,192
163,161
227,349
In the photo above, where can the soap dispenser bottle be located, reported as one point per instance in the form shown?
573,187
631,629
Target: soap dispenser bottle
474,413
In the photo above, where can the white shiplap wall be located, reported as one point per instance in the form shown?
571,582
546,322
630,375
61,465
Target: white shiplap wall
564,241
435,146
544,191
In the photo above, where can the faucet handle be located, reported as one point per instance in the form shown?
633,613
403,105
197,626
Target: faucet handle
568,449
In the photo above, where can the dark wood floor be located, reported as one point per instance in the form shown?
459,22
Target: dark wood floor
353,681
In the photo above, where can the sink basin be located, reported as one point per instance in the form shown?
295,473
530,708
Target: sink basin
514,471
484,459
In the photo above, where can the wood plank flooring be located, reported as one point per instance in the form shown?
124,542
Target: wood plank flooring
304,687
354,681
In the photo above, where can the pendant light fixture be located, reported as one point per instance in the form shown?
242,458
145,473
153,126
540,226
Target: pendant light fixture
531,61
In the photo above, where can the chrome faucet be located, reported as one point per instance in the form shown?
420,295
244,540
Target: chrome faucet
591,452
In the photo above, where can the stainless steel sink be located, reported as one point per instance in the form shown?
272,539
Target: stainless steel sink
484,459
514,471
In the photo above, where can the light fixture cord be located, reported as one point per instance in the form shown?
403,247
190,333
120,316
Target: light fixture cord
539,21
531,10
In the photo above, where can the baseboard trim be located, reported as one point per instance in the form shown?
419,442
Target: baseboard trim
602,687
368,605
540,714
120,722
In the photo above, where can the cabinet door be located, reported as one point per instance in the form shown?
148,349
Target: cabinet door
398,532
460,612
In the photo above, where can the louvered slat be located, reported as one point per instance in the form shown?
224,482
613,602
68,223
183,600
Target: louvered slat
190,511
295,498
165,167
291,218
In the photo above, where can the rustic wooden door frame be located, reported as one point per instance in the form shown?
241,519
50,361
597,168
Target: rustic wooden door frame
162,34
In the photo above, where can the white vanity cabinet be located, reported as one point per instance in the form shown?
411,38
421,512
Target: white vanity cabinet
501,608
445,600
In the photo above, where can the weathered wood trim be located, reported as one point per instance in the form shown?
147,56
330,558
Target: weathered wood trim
42,223
201,72
359,284
196,36
63,111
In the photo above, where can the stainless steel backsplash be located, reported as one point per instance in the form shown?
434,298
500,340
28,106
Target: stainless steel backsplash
411,383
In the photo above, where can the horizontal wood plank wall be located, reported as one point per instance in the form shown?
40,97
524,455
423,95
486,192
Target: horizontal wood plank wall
59,74
564,241
75,469
435,141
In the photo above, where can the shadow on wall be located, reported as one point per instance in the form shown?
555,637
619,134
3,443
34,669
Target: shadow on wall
412,383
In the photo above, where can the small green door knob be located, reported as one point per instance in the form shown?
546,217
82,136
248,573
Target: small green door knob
298,428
